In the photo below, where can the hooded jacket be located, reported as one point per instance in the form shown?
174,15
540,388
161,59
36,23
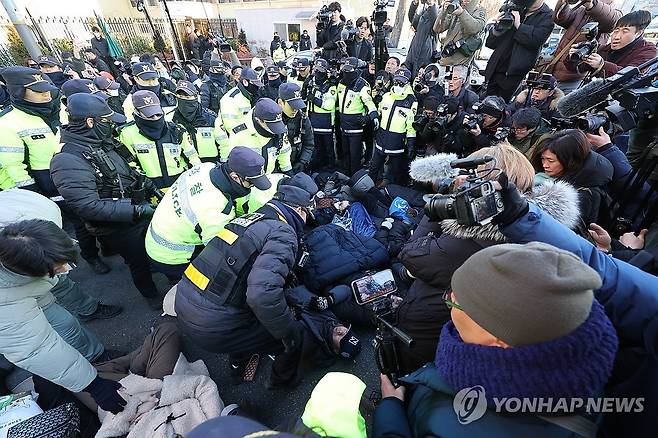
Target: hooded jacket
547,107
436,251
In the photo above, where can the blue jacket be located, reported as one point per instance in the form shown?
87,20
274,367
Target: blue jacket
630,299
430,412
335,254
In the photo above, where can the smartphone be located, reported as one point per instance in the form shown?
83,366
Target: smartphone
373,287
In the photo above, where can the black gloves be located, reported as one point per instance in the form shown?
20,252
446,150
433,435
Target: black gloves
298,167
293,339
320,304
143,211
515,204
104,392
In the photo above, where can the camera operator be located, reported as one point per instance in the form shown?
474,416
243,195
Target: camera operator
572,20
491,115
627,47
527,128
544,96
359,46
458,89
463,20
329,32
516,47
428,84
441,128
424,41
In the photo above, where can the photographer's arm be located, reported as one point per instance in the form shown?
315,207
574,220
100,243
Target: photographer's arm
441,22
412,10
473,24
628,294
563,15
606,15
533,36
390,420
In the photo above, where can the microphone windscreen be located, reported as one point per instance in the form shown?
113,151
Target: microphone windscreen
433,167
584,98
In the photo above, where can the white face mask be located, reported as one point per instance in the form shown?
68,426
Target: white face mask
397,89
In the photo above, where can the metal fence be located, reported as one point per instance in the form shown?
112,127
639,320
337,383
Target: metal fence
134,35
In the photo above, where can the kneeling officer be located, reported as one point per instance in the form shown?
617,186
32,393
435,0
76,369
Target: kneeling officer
231,297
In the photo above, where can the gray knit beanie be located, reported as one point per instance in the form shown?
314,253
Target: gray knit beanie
525,294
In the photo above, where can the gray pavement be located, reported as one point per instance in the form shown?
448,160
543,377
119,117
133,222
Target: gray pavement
126,332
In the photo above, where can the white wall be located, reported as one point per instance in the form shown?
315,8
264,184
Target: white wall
259,27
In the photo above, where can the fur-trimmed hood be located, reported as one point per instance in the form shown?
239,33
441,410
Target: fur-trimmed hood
559,199
559,94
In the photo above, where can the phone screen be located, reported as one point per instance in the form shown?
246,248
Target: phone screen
373,287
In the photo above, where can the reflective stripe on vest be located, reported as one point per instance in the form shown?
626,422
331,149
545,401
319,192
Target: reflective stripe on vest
170,245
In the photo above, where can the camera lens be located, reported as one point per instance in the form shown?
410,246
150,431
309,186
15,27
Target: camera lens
440,207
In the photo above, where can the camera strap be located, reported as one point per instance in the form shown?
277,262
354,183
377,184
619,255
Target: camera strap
559,55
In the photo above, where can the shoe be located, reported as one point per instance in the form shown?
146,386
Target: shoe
155,303
103,311
274,384
230,410
109,354
99,266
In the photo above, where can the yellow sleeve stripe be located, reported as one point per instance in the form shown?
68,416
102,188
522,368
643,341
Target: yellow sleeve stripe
196,277
227,236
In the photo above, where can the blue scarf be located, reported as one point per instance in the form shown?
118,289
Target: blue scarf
576,365
293,219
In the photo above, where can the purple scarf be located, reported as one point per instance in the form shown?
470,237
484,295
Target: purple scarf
576,365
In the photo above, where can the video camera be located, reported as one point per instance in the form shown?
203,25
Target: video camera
506,22
222,43
324,17
475,202
428,79
589,123
587,47
538,80
379,15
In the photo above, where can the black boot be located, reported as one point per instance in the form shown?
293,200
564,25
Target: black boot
99,266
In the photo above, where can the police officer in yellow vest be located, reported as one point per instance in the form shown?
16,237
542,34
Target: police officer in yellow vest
74,86
263,131
146,78
321,96
237,102
198,206
162,149
357,109
302,68
200,123
396,137
279,53
231,298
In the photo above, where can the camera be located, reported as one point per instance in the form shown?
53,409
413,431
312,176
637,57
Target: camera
475,202
452,6
474,119
589,123
501,134
506,22
379,15
428,79
538,80
587,47
324,17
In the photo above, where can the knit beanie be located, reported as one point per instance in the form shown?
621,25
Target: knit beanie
525,294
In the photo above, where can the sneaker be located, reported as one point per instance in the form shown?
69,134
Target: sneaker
109,354
103,311
99,266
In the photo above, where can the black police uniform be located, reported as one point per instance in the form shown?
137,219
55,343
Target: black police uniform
300,136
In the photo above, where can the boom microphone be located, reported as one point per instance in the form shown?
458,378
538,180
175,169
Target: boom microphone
585,98
433,167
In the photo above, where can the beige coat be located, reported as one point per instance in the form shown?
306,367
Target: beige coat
467,24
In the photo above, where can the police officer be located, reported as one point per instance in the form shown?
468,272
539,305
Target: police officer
274,81
198,206
53,69
263,131
302,68
101,187
200,123
116,96
298,125
146,78
321,97
279,53
162,149
396,137
215,87
356,110
231,297
237,102
71,87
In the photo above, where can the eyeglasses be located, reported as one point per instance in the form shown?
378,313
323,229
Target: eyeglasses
447,298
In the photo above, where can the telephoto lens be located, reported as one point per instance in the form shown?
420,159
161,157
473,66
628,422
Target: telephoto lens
440,207
592,122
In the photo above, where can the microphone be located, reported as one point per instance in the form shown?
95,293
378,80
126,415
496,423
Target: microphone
586,97
433,167
470,163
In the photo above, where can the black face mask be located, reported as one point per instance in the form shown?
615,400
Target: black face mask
349,77
103,131
220,78
320,76
154,88
151,129
252,89
188,108
275,83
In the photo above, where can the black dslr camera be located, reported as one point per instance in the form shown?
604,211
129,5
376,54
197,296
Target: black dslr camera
475,202
538,80
435,123
587,47
474,119
506,22
452,6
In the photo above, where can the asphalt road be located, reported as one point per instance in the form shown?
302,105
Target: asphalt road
127,331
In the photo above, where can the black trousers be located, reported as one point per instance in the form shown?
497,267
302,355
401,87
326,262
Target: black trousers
502,85
129,244
324,155
396,171
87,242
352,152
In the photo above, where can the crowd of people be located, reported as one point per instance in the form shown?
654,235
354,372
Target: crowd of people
272,197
